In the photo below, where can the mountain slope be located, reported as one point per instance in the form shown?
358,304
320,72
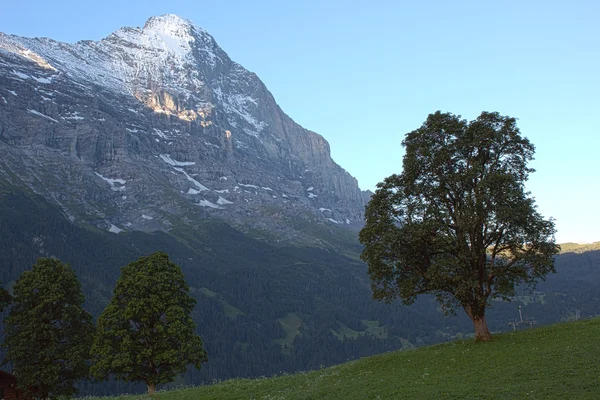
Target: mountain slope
554,362
159,122
245,288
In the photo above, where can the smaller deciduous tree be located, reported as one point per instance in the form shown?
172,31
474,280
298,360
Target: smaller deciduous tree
146,332
48,334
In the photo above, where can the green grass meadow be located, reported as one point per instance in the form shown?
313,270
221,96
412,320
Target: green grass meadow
553,362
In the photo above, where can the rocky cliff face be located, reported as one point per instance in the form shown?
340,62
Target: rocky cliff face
155,126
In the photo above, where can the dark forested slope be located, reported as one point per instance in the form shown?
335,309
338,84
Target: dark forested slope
264,309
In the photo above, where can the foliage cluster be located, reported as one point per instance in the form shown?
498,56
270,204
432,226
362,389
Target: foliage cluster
47,315
145,333
457,223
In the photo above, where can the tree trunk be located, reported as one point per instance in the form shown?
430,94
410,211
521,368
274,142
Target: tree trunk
482,333
151,388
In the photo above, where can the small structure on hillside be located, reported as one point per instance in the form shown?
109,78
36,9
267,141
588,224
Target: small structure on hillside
521,321
8,387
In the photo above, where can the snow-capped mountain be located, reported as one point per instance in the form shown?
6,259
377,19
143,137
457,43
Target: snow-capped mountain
155,126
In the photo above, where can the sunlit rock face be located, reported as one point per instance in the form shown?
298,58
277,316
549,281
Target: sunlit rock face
159,122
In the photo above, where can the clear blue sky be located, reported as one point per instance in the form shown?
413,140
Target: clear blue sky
363,74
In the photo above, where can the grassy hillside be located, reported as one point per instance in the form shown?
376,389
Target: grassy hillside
579,247
553,362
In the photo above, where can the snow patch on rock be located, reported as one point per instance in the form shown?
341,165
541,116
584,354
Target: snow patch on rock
223,201
200,186
73,116
21,75
43,80
166,158
39,114
114,229
206,203
113,182
248,185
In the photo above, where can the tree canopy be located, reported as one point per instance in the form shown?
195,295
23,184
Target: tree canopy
146,332
48,334
457,222
5,298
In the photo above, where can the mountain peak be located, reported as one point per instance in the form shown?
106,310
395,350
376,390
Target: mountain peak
168,23
171,33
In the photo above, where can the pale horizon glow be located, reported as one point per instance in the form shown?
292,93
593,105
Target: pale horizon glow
363,75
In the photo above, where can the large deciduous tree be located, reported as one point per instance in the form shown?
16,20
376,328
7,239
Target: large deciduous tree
146,332
48,334
457,222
